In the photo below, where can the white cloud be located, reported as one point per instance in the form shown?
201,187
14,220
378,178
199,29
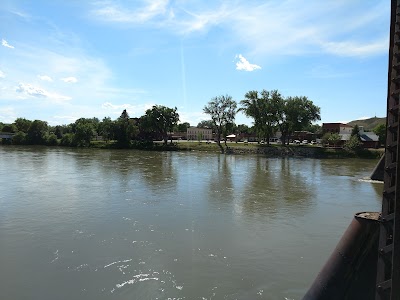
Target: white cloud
284,27
243,64
6,44
45,78
113,13
2,75
192,117
7,114
34,91
69,79
351,48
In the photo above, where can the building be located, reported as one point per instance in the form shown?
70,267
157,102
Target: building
369,139
336,128
194,133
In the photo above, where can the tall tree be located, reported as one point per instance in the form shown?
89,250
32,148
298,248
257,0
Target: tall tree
84,132
380,131
242,128
125,129
222,110
161,120
262,108
206,124
182,127
22,124
297,114
37,131
356,132
106,129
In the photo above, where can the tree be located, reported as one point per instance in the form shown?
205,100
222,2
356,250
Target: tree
262,107
19,138
51,140
68,139
84,132
356,132
37,131
242,128
314,128
22,124
182,127
380,131
9,128
354,144
125,129
206,124
331,138
296,114
106,129
161,120
200,137
222,110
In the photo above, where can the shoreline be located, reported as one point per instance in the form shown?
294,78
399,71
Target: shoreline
301,151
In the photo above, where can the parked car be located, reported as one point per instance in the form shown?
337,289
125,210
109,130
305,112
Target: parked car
313,142
296,142
305,142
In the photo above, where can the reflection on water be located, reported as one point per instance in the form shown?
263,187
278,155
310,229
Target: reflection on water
99,224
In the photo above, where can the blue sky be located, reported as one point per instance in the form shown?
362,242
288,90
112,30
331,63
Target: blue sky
62,60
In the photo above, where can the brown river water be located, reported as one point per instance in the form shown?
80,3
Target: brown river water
123,224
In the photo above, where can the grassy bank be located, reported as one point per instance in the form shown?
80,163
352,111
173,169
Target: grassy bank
320,152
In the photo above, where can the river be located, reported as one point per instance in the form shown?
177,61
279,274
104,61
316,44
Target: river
120,224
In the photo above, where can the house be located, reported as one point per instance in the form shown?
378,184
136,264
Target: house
194,133
336,128
6,135
369,139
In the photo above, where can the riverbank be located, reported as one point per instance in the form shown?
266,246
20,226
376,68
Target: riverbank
311,151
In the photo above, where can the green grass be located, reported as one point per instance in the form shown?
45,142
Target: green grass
213,147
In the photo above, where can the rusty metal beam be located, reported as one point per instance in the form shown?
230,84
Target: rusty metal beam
388,267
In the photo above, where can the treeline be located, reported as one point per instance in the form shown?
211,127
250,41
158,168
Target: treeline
269,110
154,124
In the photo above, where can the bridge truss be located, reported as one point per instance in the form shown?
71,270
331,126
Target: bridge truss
388,268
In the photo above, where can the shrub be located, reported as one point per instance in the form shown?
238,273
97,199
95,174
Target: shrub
19,138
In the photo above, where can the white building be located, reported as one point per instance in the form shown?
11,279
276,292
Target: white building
194,133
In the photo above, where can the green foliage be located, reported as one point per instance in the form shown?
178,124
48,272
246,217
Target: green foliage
243,128
314,128
19,138
125,129
380,131
51,140
22,124
206,124
300,112
271,111
200,137
182,127
37,131
106,129
160,120
84,132
222,110
331,138
353,144
9,128
356,132
68,140
263,107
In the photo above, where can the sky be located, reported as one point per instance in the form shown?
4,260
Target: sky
63,60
